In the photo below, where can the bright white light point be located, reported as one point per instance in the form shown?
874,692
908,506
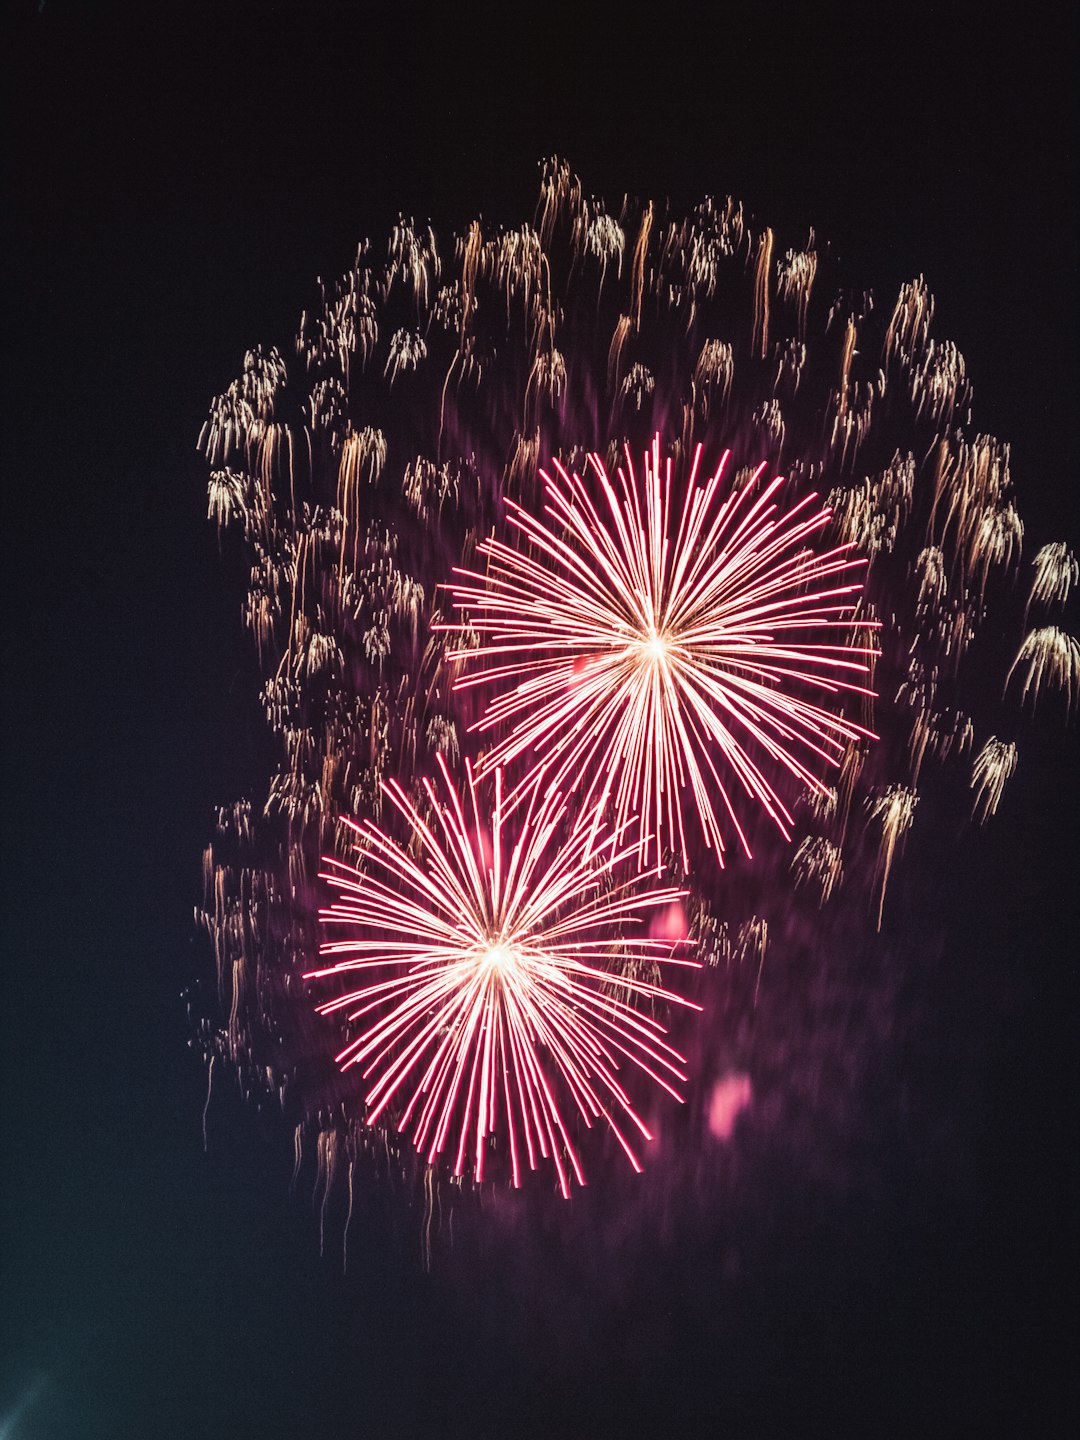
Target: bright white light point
655,646
498,957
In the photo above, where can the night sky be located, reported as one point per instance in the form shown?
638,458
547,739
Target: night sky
176,179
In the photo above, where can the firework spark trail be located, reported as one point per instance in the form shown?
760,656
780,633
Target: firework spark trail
650,647
501,979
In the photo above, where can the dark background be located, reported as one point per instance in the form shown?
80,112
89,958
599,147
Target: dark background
176,178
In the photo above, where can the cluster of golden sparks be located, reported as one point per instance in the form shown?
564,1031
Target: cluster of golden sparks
654,649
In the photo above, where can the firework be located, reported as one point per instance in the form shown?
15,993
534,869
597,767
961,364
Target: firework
498,971
401,436
653,652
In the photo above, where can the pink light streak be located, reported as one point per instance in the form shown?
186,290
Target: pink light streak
490,972
647,650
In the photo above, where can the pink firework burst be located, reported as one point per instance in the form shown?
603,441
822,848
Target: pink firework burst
492,973
649,651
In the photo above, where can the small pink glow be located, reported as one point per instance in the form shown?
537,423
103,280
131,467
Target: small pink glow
582,667
669,923
731,1095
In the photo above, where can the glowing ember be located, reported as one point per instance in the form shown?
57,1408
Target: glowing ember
652,652
730,1097
501,978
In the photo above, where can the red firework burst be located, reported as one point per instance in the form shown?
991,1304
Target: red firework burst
651,653
502,977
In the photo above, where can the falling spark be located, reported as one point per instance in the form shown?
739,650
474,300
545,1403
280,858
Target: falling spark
895,810
1056,572
655,652
501,978
818,861
993,766
1053,659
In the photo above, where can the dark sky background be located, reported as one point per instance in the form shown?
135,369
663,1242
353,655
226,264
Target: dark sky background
176,177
